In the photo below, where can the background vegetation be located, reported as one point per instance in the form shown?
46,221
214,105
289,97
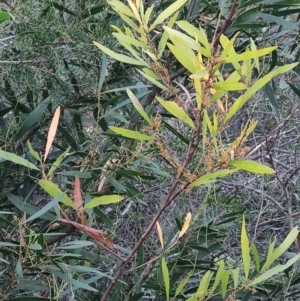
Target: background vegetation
48,60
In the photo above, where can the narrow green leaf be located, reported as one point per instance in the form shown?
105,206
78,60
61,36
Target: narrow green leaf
153,80
32,118
138,106
166,278
4,16
203,286
173,108
245,249
270,94
229,86
168,12
55,191
128,40
29,209
148,14
182,283
289,240
103,200
16,159
163,41
46,208
177,36
279,21
249,54
213,176
274,271
131,134
120,57
235,276
224,282
183,58
78,244
121,7
34,154
200,33
255,87
252,166
58,161
218,277
256,257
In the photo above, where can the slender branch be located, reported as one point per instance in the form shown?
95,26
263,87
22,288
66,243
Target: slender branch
169,198
227,22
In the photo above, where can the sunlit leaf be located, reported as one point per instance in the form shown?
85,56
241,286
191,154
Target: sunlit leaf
103,200
274,271
229,86
212,176
167,12
120,57
252,166
33,152
249,54
131,134
289,240
237,105
245,249
55,192
173,108
182,283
